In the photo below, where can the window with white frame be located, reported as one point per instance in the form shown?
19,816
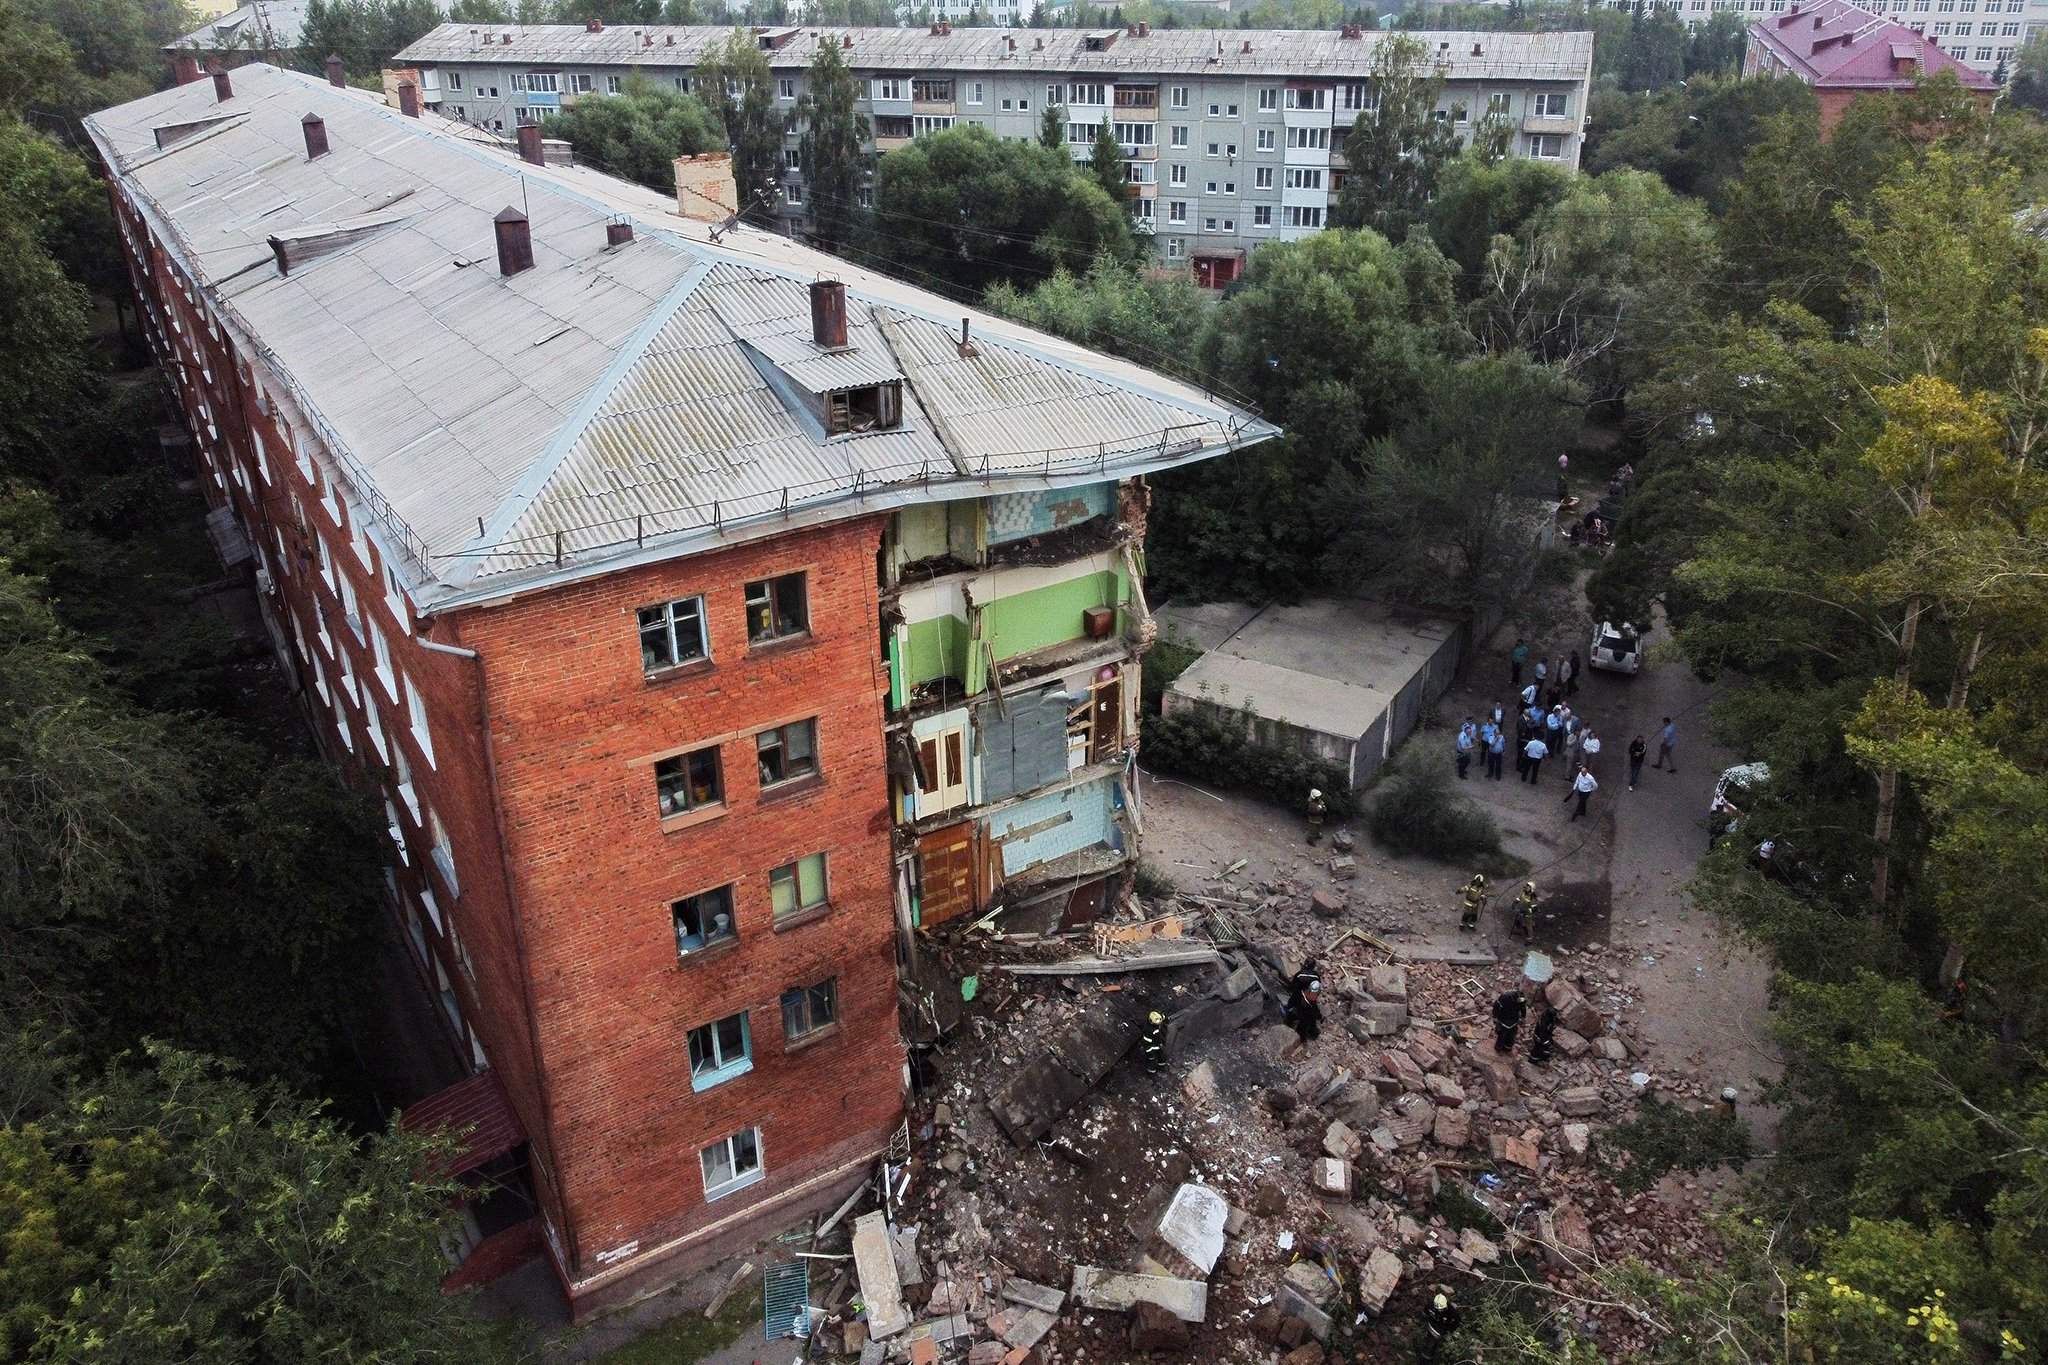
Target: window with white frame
1318,98
1262,215
1177,97
351,612
1304,177
320,683
1497,104
1550,104
380,653
1176,211
401,777
444,855
720,1051
1215,149
1269,139
1177,175
920,124
1176,248
1269,97
614,84
454,79
731,1163
348,674
1262,178
462,958
326,562
892,88
1304,216
1354,96
396,831
792,193
373,724
1137,134
581,80
395,600
1314,139
416,714
1086,92
547,82
1177,135
785,88
1546,146
976,92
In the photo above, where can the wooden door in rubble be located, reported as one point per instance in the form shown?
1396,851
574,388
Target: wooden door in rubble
948,866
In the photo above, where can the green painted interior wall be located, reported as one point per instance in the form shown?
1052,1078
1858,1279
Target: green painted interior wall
934,649
1045,616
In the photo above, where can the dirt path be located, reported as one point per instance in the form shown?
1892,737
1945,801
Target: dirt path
1612,882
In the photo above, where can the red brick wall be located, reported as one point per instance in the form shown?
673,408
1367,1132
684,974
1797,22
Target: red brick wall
455,783
574,724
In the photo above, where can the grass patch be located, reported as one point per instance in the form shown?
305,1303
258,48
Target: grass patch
1415,810
1461,1210
1151,883
689,1336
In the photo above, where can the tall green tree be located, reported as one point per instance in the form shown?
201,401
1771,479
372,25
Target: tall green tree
966,208
1397,148
739,89
639,132
832,149
167,1211
1052,127
1478,200
1106,162
1118,306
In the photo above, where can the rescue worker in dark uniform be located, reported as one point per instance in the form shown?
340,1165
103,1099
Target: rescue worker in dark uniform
1302,1013
1439,1321
1471,901
1153,1043
1507,1018
1546,1032
1317,809
1525,911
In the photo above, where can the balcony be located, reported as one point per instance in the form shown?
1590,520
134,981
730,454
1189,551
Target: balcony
1547,123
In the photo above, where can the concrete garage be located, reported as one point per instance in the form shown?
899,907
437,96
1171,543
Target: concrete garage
1346,680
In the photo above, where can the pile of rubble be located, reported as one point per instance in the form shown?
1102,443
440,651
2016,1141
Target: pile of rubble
1264,1200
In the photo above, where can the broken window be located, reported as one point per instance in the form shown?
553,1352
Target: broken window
672,633
807,1009
787,752
720,1051
777,607
687,782
703,920
875,407
732,1163
797,886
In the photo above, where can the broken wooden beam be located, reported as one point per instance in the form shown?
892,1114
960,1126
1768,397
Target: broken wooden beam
732,1282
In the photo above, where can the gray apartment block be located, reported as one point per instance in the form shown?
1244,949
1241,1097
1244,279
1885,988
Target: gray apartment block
1231,138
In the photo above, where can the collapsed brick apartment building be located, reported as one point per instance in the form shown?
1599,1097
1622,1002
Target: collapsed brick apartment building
707,615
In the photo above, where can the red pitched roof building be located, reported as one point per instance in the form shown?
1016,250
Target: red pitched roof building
1844,51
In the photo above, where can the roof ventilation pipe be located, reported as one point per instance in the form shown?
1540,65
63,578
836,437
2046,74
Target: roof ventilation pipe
828,314
515,241
335,76
223,88
315,129
529,144
408,99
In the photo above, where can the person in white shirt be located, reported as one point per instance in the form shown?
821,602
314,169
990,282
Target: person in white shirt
1583,787
1589,747
1533,754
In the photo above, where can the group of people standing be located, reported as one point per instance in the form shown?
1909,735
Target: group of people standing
1509,1010
1546,726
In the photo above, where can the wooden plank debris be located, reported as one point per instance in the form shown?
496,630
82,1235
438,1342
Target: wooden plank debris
1160,955
732,1282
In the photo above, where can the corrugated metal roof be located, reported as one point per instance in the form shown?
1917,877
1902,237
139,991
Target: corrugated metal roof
602,400
1190,52
260,26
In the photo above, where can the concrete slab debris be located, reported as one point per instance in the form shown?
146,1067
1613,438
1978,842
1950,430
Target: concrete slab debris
1192,1226
1040,1092
1356,1104
1043,1297
1429,1049
1383,1018
1517,1151
1292,1304
1343,867
1325,904
1453,1127
1578,1140
874,1261
1569,1043
903,1244
1443,1090
1402,1068
1341,1141
987,1353
1118,1292
1028,1328
1242,981
1388,983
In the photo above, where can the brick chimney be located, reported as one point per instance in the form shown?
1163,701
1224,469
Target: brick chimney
618,233
647,40
335,75
223,88
315,129
529,144
1247,46
828,314
1144,28
846,40
408,99
184,68
515,241
593,25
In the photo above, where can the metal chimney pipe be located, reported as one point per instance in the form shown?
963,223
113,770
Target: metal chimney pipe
828,313
223,89
529,144
408,99
335,76
315,129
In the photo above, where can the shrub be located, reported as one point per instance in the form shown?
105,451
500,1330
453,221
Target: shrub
1662,1138
1416,811
1214,746
1168,658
